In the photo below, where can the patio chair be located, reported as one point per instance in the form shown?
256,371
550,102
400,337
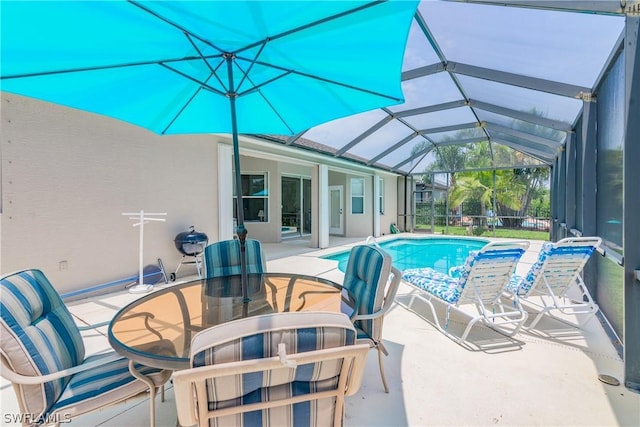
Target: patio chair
373,282
481,281
552,277
43,355
223,258
286,369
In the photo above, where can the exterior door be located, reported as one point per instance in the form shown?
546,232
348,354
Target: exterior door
291,198
305,226
336,216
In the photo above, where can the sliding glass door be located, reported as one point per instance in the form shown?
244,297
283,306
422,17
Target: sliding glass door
296,206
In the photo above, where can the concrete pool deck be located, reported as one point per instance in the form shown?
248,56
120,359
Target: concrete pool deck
546,378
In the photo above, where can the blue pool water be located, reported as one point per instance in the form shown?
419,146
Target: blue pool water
438,253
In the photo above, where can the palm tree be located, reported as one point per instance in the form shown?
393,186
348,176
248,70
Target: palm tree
471,187
479,186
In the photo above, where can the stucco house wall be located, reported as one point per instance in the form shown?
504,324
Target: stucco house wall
359,224
67,177
390,212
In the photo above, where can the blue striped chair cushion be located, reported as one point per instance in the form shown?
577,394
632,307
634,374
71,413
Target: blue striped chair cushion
521,286
262,386
39,335
365,278
109,382
223,258
308,413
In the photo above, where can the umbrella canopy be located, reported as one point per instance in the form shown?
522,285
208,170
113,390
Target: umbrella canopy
269,67
164,65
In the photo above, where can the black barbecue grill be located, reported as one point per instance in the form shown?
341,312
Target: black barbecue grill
190,244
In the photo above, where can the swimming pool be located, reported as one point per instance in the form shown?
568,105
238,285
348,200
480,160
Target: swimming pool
438,253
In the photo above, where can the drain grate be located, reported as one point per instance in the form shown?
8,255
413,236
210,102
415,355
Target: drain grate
608,379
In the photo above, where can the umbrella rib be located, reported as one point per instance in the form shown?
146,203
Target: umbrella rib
359,89
215,73
323,79
252,63
173,24
188,36
204,59
105,67
202,84
277,113
184,107
256,88
266,100
313,24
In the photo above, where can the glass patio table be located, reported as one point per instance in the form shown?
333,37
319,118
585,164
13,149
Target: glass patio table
156,330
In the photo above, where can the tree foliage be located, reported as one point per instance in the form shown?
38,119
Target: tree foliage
517,189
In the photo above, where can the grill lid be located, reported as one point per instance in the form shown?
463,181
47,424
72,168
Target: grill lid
191,242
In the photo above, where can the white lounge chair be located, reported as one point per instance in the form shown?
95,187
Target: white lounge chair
552,277
481,281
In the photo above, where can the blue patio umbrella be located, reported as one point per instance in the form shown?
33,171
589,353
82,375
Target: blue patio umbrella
181,67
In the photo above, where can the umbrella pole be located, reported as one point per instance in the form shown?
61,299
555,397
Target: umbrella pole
241,231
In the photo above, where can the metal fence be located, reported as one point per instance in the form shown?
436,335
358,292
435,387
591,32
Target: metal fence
475,216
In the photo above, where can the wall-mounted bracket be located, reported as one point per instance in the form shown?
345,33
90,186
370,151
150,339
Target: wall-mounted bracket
587,96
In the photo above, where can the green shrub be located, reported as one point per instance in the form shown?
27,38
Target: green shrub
478,231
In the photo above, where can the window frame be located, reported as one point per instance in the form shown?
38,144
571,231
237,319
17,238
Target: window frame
380,195
265,189
353,195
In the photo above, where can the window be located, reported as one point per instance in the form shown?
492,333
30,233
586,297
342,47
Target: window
381,195
357,196
255,198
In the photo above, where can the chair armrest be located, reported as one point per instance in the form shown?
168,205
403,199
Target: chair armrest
185,406
357,370
389,298
369,316
188,382
14,377
94,326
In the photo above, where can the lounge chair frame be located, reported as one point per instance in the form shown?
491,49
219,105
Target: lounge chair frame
555,279
490,270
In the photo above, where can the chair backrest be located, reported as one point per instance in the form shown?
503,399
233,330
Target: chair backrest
366,278
487,272
259,377
223,258
559,265
38,336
